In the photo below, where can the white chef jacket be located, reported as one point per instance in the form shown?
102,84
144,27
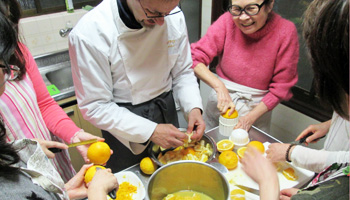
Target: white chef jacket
113,63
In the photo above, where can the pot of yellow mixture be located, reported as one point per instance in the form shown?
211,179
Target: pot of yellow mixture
187,179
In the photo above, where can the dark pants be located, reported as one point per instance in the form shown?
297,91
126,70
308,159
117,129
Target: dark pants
160,110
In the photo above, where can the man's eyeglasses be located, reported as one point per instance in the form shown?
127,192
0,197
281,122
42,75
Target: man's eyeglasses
250,9
156,14
10,72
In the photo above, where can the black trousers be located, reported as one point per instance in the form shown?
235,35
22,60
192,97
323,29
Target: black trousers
160,110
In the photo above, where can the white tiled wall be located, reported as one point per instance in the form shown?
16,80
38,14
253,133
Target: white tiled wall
41,33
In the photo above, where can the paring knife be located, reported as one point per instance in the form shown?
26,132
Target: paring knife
56,150
302,140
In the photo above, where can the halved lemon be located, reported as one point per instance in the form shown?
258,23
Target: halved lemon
237,194
225,145
232,116
289,174
241,151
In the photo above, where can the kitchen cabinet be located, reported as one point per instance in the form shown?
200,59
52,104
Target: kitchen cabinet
74,113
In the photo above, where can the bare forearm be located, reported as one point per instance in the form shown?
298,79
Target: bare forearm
269,190
258,111
204,74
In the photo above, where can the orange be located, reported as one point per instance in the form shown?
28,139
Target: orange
241,151
89,174
225,145
99,153
289,174
237,194
147,166
232,116
229,159
189,150
257,145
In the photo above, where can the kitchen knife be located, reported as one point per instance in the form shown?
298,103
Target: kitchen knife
303,139
56,150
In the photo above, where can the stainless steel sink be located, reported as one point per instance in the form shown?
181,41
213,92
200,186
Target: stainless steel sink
55,70
62,78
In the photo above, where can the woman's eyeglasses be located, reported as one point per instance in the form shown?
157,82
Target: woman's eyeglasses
250,9
156,14
10,72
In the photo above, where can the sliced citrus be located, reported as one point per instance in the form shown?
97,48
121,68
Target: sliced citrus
241,151
289,174
225,145
232,116
229,159
257,145
99,153
147,166
89,174
237,194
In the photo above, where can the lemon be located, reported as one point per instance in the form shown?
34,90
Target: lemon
89,174
229,159
289,174
237,194
232,116
257,145
241,151
225,145
147,166
99,153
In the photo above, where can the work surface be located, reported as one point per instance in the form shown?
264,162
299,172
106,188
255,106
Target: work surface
254,134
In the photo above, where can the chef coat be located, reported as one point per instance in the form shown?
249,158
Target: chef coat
112,63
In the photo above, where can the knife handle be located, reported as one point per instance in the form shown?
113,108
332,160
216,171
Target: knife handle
303,139
113,194
55,150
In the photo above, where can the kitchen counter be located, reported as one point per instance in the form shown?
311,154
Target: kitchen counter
254,134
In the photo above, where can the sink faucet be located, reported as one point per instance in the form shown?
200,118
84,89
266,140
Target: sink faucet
67,30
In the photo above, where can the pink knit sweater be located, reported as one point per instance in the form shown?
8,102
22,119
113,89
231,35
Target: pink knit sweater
265,60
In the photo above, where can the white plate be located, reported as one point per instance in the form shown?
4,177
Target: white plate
239,176
133,179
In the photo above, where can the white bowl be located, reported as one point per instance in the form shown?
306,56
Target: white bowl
239,137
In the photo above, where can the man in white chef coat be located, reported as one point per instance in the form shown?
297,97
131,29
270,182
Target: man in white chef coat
130,60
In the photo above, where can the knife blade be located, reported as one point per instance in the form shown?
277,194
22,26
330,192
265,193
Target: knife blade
56,150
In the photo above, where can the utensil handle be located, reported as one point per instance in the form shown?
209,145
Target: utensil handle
113,194
55,150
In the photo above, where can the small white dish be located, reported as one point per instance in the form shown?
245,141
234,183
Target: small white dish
133,179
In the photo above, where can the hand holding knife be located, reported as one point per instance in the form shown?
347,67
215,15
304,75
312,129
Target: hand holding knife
57,150
303,139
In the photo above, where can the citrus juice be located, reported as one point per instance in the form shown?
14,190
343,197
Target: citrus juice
188,195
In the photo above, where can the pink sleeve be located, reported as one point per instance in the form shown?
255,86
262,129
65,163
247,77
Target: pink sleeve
212,43
55,118
285,72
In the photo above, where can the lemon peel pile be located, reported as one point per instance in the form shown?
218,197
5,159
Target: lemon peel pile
199,151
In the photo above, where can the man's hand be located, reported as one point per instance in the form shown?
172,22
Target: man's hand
167,136
195,120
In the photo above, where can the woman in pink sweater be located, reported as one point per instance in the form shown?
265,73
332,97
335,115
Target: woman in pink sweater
258,53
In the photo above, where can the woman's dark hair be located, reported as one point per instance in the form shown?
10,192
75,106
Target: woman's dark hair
8,155
326,31
12,10
8,44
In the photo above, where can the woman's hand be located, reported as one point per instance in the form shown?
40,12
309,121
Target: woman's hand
263,172
102,183
82,149
286,194
276,152
45,145
244,122
318,130
76,186
224,99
